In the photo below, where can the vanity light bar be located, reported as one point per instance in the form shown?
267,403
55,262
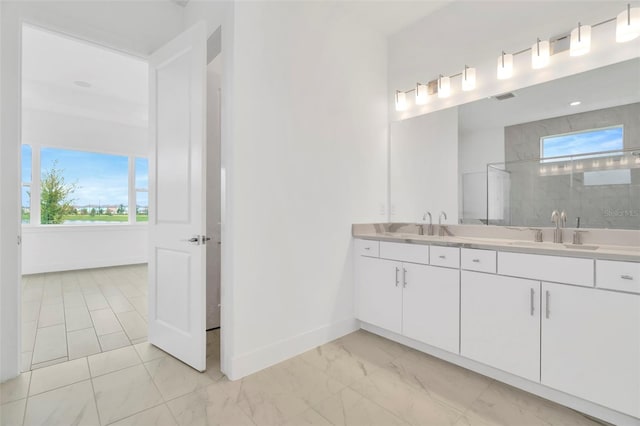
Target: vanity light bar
627,28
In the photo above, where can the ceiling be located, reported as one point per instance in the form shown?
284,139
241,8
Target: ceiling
56,69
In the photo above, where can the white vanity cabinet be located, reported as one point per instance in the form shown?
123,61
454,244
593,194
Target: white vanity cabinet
431,306
570,326
416,300
591,345
379,292
500,322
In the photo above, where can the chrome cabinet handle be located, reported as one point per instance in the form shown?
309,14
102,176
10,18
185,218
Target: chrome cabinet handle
626,277
476,260
533,293
547,310
397,281
404,277
367,248
442,257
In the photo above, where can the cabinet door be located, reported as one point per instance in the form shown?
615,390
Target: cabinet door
431,305
591,345
500,322
379,293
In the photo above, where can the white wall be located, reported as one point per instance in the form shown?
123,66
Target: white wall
52,129
424,167
475,33
69,247
136,27
304,159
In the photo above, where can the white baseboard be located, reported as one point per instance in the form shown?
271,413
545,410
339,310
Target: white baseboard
87,264
269,355
538,389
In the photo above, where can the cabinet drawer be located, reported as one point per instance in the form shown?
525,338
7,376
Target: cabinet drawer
624,276
569,270
414,253
478,260
448,257
367,248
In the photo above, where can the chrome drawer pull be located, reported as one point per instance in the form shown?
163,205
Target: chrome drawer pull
367,248
548,310
532,304
476,260
626,277
442,257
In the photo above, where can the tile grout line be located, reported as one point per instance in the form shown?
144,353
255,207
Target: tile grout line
33,346
93,391
26,401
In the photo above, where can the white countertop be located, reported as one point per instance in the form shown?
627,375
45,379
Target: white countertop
592,251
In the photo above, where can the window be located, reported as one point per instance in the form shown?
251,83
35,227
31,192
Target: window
595,141
26,184
79,187
142,189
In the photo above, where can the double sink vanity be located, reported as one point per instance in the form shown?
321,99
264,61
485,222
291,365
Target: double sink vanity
559,320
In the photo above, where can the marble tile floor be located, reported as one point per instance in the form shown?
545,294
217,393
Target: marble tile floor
360,379
74,314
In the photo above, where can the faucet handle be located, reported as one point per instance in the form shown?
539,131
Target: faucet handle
577,236
537,236
555,215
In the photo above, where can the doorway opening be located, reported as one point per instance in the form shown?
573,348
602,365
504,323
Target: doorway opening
85,200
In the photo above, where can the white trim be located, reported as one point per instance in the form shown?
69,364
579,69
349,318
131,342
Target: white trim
98,263
535,388
282,350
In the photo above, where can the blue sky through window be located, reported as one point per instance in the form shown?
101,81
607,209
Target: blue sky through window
26,163
591,141
101,178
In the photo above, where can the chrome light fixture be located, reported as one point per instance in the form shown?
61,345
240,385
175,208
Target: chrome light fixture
468,79
505,66
540,54
444,86
401,100
422,94
580,40
628,24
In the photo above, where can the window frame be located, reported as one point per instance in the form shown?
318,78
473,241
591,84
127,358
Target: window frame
595,154
35,186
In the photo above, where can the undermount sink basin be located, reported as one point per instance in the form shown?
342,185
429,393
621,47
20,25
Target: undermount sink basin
534,244
553,245
581,247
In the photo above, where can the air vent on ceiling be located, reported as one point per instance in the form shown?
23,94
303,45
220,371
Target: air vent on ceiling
503,96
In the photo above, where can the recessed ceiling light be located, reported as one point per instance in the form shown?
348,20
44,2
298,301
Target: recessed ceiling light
81,83
575,103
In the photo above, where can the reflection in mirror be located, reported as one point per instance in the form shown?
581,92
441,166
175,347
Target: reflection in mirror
595,190
549,118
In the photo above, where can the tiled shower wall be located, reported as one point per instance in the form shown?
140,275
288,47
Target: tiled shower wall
534,197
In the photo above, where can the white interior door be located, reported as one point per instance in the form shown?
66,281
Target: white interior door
177,172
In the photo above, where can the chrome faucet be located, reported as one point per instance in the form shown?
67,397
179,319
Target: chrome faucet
441,228
430,227
560,219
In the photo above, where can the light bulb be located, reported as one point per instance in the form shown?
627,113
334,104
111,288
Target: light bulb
422,95
505,66
401,101
628,24
468,79
540,54
444,87
580,40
